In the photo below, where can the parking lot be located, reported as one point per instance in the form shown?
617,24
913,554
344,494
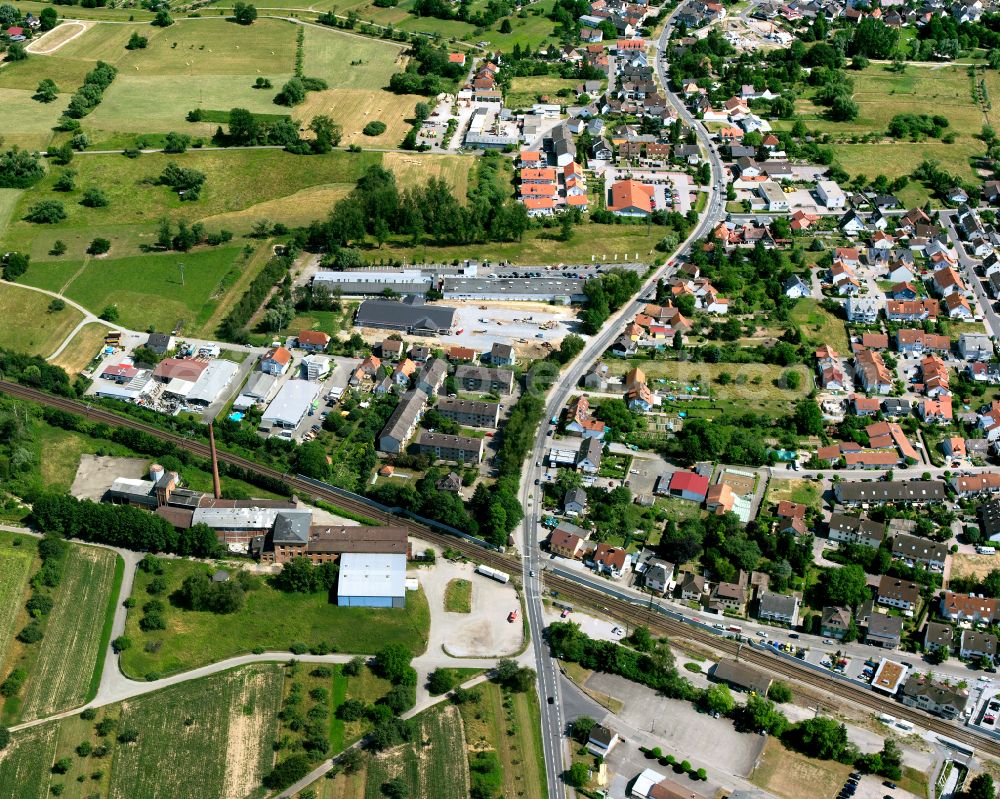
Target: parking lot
485,632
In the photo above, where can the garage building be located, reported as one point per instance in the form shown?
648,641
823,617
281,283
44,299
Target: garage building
371,580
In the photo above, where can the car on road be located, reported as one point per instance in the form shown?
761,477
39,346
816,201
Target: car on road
762,634
890,785
531,573
552,700
827,641
564,614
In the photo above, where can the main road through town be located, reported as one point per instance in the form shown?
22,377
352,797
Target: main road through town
554,742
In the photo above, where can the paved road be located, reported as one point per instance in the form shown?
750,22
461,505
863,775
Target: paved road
968,266
555,744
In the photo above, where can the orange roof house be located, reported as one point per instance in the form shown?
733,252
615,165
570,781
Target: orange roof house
631,198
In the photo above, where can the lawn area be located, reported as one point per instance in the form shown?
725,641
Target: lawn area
414,168
511,729
82,350
15,567
28,123
8,200
27,324
233,183
524,92
789,774
210,737
805,492
628,242
349,61
269,619
746,382
819,325
147,289
68,657
458,596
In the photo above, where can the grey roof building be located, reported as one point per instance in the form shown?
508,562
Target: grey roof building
462,449
884,631
740,675
938,635
779,608
411,314
481,378
852,492
402,422
432,376
937,698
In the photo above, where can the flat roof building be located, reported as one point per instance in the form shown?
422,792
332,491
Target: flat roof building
362,282
213,381
372,580
291,403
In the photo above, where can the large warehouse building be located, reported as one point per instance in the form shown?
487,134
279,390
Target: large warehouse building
403,281
291,404
372,580
412,315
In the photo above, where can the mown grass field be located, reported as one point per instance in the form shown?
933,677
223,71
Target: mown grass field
211,737
27,324
147,289
789,774
15,569
347,61
24,766
269,619
31,122
802,491
524,92
352,109
61,676
881,94
80,352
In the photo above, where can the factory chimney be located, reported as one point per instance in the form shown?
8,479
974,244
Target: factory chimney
215,461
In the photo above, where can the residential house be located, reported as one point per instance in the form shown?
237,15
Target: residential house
692,587
575,502
728,596
938,636
884,631
969,607
567,540
934,697
613,561
720,499
855,530
658,576
977,644
835,622
313,340
275,361
778,608
913,550
601,741
896,593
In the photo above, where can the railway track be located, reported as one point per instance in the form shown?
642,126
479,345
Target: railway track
636,614
633,614
303,488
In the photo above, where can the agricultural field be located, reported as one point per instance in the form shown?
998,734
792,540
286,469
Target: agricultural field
24,766
208,737
269,619
82,349
220,731
70,651
147,289
28,326
352,109
17,555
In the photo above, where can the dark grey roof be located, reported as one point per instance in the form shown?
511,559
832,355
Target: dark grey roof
742,676
937,692
409,314
577,495
292,526
158,342
938,633
884,626
896,491
462,443
910,546
404,415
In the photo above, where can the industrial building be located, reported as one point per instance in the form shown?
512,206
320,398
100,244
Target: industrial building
327,543
258,389
368,282
548,289
411,314
372,580
291,404
139,386
213,382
